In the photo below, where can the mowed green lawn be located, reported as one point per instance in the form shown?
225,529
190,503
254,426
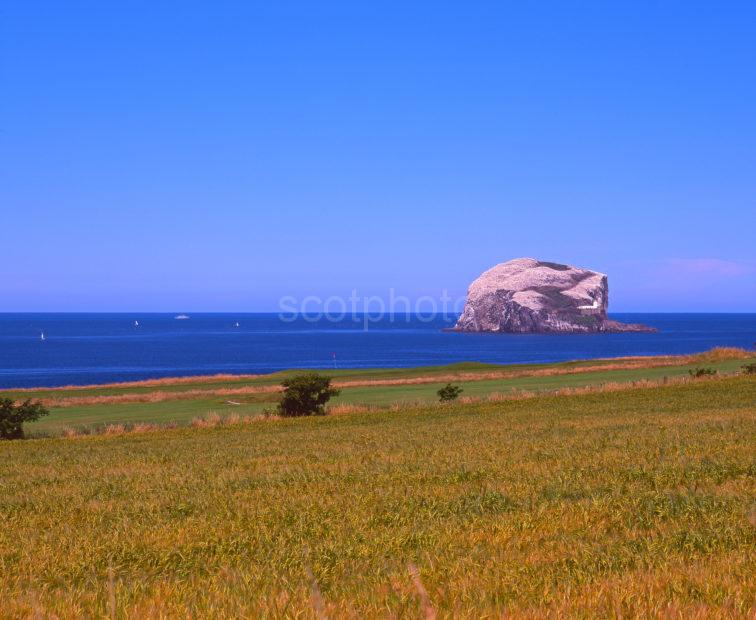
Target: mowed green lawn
183,411
630,503
229,381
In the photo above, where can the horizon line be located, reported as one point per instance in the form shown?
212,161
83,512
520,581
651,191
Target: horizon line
356,313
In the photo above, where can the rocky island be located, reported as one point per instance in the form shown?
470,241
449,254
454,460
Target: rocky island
527,295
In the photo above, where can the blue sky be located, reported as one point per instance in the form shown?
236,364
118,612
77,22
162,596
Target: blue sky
217,156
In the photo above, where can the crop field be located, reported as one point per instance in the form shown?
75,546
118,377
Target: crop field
179,401
637,502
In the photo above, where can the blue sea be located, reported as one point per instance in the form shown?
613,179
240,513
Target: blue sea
80,349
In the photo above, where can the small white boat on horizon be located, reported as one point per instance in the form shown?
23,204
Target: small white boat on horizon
236,324
41,335
181,317
136,323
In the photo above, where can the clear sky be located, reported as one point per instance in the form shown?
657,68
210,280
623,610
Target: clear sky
219,155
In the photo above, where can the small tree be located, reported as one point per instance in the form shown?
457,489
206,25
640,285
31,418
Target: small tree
697,373
449,393
306,394
12,417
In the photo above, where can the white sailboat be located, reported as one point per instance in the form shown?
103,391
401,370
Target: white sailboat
236,324
136,323
41,335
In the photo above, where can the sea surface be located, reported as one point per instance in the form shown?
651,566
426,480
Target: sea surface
80,349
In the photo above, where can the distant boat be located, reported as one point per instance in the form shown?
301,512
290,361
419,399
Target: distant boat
181,317
136,323
41,335
236,324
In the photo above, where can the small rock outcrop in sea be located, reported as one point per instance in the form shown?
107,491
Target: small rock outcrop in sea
528,295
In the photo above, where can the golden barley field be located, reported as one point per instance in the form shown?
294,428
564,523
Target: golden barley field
617,503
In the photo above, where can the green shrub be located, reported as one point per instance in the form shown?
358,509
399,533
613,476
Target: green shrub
305,394
697,373
749,369
449,393
12,417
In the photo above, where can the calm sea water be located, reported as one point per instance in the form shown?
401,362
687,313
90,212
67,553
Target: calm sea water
99,348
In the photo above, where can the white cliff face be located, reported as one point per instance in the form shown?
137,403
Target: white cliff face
527,295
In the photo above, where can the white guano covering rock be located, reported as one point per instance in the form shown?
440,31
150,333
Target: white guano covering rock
528,295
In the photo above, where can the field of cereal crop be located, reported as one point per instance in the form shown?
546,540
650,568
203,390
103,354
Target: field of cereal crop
635,502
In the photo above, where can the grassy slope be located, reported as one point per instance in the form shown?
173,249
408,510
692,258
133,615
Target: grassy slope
228,381
193,383
633,502
182,411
